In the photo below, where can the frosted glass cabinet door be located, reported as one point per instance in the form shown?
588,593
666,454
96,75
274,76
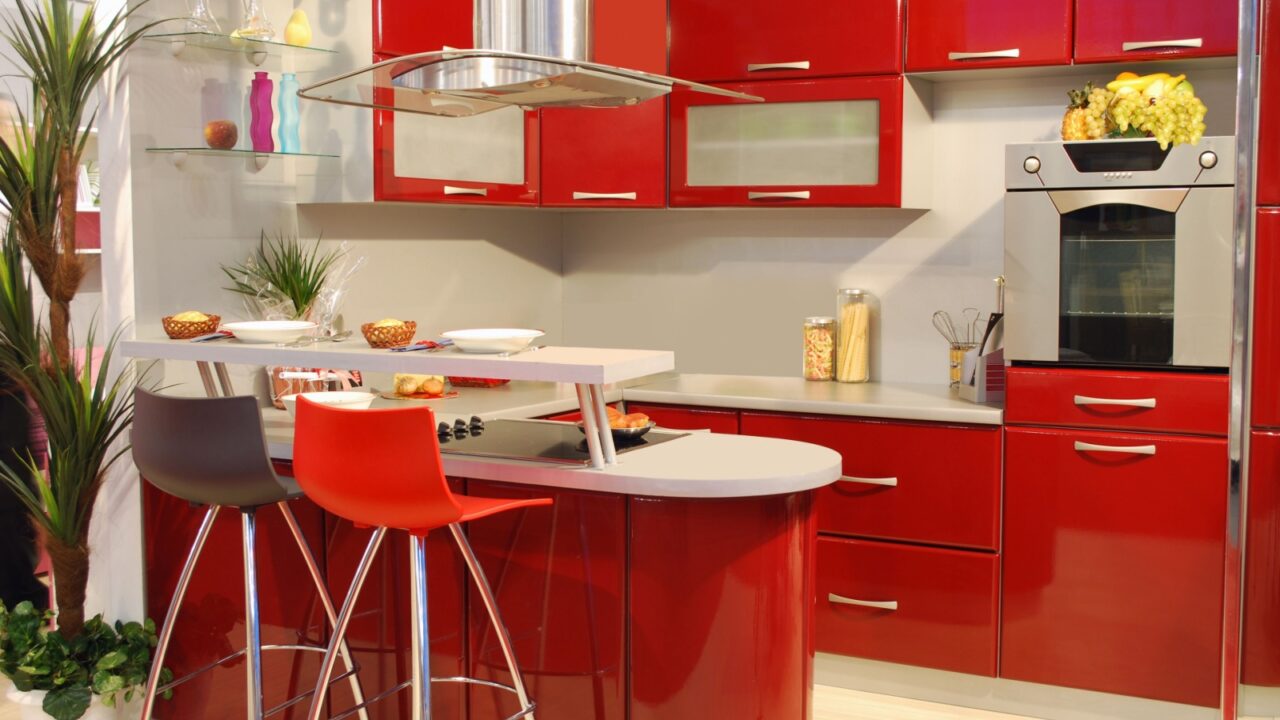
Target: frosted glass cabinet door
823,142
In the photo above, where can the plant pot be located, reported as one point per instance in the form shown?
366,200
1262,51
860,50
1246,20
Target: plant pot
30,706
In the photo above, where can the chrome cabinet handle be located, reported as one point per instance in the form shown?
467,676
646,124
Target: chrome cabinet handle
1187,43
1135,402
603,196
1126,449
1010,53
452,190
796,65
878,605
886,482
794,195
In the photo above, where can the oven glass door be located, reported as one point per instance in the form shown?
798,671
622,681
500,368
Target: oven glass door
1116,285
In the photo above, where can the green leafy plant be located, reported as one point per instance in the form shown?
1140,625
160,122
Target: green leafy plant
283,270
110,661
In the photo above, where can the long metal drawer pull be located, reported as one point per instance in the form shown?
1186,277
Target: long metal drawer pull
452,190
1010,53
1126,402
1188,43
793,195
603,196
878,605
886,482
1126,449
797,65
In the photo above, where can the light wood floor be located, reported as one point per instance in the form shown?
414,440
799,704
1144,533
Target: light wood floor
829,704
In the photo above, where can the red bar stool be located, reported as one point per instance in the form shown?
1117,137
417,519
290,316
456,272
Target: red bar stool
382,469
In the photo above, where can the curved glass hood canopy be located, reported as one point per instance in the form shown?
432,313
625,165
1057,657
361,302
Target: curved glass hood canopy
534,56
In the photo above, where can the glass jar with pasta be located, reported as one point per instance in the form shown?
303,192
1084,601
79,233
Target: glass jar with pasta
853,335
819,348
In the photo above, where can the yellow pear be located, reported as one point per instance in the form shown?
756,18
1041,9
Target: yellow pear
298,31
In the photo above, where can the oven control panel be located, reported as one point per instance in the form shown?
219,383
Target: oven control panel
1119,163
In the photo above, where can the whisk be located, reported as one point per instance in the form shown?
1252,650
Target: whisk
966,334
945,327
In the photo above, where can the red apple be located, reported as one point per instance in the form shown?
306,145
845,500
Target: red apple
220,134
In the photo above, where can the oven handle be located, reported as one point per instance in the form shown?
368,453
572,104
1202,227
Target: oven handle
1166,199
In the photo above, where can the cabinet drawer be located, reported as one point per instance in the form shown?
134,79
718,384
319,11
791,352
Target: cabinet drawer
1126,30
956,34
687,418
915,482
917,605
1113,562
1124,400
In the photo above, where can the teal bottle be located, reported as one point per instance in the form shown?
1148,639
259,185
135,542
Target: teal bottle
288,105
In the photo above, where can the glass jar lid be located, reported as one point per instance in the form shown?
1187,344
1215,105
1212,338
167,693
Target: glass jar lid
854,292
820,320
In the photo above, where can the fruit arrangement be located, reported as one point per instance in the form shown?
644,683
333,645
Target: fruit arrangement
1160,106
618,421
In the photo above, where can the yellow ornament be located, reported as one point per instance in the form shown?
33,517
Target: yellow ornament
298,31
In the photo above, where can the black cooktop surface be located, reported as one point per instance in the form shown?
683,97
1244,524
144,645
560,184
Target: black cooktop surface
543,440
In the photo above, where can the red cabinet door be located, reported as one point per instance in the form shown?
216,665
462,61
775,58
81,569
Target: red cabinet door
1113,562
605,157
1260,655
713,40
952,34
906,604
1124,30
1269,108
833,142
676,417
404,27
1266,308
913,482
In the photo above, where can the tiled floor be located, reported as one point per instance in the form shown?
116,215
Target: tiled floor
829,704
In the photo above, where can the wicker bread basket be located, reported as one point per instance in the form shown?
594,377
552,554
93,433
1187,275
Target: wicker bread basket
389,336
185,330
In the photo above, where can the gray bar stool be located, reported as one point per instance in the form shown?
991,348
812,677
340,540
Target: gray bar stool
212,451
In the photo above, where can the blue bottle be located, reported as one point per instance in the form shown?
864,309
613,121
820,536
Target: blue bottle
288,105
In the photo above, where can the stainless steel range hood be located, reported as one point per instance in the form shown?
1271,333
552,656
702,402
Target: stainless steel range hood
533,54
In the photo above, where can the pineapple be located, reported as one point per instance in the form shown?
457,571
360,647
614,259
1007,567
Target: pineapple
1075,124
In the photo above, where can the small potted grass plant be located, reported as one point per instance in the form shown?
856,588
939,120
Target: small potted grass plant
283,278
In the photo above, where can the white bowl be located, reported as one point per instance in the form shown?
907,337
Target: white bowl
269,331
346,399
492,340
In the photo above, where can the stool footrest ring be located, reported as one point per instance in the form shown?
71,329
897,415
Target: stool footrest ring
240,653
456,679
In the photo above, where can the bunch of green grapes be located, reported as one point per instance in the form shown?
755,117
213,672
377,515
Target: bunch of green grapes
1174,118
1097,121
1129,110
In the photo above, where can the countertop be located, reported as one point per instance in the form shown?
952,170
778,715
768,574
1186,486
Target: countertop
936,403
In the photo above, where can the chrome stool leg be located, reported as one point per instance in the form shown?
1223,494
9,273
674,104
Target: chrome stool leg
357,691
252,619
179,592
419,627
491,605
344,620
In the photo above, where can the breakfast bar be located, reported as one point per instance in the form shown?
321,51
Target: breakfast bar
676,579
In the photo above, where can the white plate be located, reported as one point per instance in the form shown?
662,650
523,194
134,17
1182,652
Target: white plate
269,331
492,340
346,399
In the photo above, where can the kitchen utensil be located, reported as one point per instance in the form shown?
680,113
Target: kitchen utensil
306,340
269,331
348,400
972,318
956,352
531,348
946,328
425,346
492,340
625,433
995,316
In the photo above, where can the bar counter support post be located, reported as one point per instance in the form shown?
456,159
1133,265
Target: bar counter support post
590,425
224,379
602,423
206,377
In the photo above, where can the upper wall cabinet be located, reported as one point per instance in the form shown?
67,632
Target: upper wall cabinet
716,41
830,142
404,27
1123,30
954,34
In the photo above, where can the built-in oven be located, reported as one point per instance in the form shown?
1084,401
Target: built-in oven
1118,253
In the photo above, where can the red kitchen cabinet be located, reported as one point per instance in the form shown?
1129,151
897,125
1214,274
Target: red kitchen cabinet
1126,30
404,27
1113,562
906,604
605,157
1269,107
1260,655
953,34
713,40
913,482
1120,399
1265,390
676,417
559,576
829,142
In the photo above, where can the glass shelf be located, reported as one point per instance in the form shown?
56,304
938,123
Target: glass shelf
179,154
256,51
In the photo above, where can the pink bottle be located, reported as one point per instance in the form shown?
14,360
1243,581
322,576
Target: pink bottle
260,111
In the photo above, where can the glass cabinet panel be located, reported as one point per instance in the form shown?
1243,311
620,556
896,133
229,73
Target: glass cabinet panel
484,148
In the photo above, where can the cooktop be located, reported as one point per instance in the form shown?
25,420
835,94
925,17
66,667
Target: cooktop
539,440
